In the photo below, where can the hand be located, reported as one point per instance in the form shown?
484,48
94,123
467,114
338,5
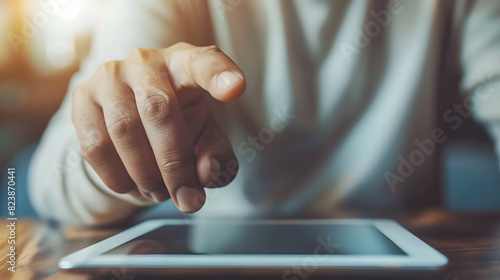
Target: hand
144,127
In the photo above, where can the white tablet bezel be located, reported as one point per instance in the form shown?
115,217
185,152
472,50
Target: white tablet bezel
419,254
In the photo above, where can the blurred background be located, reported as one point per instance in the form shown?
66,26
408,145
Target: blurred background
43,43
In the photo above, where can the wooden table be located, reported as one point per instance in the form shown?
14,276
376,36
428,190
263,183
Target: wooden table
470,241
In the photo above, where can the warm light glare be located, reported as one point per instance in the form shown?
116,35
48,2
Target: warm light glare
5,18
71,9
60,54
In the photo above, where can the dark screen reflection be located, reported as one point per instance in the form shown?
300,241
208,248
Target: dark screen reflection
219,237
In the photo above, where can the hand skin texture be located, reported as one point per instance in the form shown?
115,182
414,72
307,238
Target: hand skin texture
144,127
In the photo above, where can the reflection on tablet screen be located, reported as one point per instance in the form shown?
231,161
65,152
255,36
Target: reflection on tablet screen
253,238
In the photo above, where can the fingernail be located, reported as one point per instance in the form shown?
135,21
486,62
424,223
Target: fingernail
227,80
189,199
159,195
214,169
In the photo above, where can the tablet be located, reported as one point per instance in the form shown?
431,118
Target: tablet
173,245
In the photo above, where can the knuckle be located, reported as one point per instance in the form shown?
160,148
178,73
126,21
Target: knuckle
210,49
94,147
203,52
176,165
107,69
124,126
78,92
159,107
141,55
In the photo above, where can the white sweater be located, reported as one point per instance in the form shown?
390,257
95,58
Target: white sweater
341,107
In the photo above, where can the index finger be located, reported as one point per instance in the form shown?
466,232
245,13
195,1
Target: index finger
205,67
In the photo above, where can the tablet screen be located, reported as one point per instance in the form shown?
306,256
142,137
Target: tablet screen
256,238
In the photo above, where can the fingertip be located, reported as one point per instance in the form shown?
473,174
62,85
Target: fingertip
190,200
228,85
